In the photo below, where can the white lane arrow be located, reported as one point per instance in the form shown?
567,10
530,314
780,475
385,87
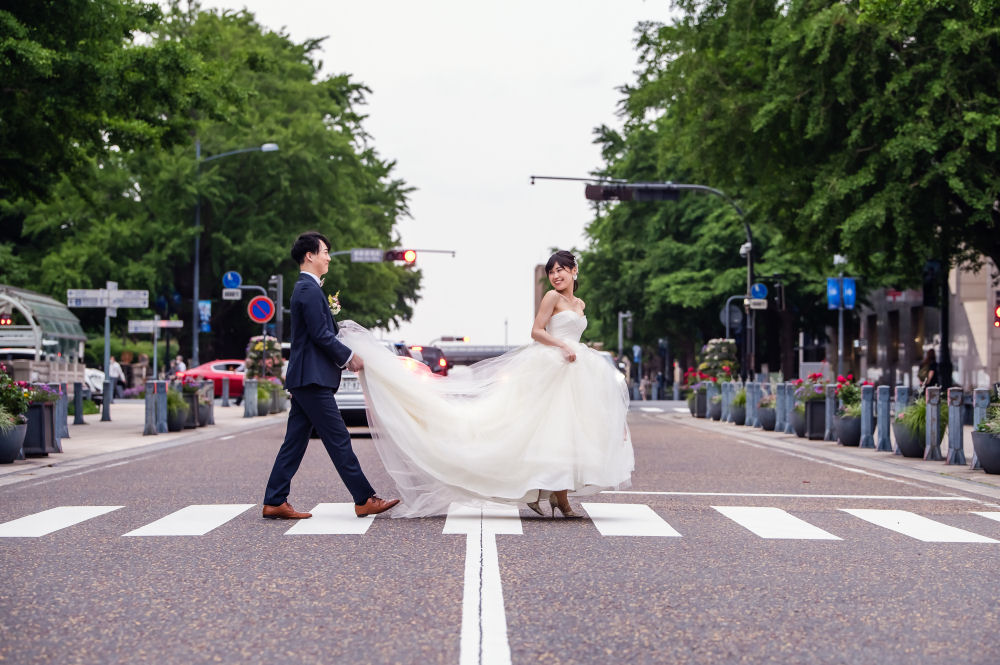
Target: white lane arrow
484,620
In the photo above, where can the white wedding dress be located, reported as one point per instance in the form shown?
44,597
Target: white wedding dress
500,429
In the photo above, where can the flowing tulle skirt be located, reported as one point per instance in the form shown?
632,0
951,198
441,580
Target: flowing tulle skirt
498,430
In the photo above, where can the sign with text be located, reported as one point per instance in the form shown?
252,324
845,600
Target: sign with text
232,294
366,255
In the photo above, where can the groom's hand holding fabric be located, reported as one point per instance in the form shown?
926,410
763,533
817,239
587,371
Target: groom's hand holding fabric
356,364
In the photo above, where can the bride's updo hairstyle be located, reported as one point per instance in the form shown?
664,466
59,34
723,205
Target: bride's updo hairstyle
564,259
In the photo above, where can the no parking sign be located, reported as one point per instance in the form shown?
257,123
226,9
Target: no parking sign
260,309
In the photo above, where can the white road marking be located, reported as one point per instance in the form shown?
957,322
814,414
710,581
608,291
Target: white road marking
331,518
650,409
889,497
917,526
192,520
992,516
628,519
774,523
484,620
681,409
226,438
53,519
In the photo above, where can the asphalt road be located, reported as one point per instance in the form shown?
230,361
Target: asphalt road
712,587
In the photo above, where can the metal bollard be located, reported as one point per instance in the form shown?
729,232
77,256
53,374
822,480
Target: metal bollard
58,416
789,407
980,402
677,392
956,448
726,396
78,404
161,406
225,391
249,398
884,444
830,392
711,390
64,410
867,413
109,391
932,442
902,400
779,408
149,426
751,420
209,388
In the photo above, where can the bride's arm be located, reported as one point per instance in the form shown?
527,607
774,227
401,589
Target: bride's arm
538,332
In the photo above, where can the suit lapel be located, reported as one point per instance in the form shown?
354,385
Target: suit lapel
312,282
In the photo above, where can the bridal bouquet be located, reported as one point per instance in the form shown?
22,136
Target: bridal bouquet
334,301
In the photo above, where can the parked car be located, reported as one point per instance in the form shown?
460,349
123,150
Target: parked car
215,371
350,399
434,358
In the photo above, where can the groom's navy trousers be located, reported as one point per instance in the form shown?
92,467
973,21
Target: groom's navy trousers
315,406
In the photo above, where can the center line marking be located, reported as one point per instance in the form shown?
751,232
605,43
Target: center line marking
484,620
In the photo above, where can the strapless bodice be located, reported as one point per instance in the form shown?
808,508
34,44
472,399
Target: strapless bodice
567,325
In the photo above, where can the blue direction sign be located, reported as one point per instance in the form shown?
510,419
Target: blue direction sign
232,280
850,293
835,298
832,293
260,309
758,290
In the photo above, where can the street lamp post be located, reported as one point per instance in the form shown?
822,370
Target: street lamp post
195,328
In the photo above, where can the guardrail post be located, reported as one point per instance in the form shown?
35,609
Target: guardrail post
779,408
78,404
149,426
64,411
902,400
789,407
956,448
109,391
727,391
161,405
867,413
711,390
249,398
225,391
830,394
932,442
884,444
980,402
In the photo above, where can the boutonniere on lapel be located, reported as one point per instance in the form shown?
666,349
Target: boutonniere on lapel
334,303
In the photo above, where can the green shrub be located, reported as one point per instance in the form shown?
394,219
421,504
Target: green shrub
991,423
263,392
914,417
89,408
740,398
852,410
176,403
6,420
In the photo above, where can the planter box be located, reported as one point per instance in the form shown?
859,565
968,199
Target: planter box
739,415
768,417
11,443
848,431
192,412
987,447
690,401
798,423
204,414
175,421
40,436
909,444
263,407
815,419
700,404
715,411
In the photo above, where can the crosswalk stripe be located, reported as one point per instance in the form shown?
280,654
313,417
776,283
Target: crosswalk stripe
628,519
192,520
331,519
917,526
769,522
53,519
992,515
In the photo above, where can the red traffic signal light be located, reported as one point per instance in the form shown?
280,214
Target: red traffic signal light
408,256
996,316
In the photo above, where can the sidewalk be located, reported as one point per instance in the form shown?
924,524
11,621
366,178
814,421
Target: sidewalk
958,477
122,436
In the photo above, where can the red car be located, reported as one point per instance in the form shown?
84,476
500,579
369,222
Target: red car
215,371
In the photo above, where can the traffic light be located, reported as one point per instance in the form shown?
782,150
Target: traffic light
632,192
407,256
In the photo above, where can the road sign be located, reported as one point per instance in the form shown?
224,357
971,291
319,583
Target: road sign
232,294
832,293
260,309
147,325
232,280
129,298
758,290
850,293
758,303
366,255
835,299
735,316
105,298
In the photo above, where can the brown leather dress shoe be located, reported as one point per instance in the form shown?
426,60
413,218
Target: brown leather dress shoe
374,506
284,512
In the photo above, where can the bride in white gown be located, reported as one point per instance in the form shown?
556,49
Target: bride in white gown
548,416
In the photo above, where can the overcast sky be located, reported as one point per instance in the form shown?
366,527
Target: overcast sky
471,98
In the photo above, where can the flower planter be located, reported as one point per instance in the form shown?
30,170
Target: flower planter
909,444
987,447
11,443
690,401
275,402
715,411
798,423
40,435
192,413
204,414
263,407
700,404
739,415
848,431
815,419
768,417
177,419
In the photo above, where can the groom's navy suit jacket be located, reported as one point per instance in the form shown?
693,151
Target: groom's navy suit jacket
317,357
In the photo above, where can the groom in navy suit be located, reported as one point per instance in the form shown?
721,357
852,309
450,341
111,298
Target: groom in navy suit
314,366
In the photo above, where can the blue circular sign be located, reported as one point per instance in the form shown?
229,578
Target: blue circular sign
758,290
261,309
232,280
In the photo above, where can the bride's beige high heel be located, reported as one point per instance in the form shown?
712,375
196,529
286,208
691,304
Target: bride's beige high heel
567,512
534,504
